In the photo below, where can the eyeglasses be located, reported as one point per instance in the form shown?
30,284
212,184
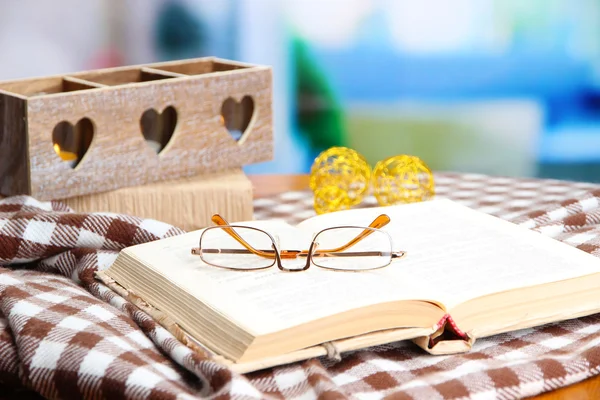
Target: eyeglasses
246,248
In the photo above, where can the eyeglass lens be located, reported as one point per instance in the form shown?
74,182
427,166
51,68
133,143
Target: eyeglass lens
374,250
219,248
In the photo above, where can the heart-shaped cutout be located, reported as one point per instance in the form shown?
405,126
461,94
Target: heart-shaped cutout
236,116
72,142
158,128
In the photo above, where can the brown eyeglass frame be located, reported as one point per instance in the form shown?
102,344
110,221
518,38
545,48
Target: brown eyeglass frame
277,254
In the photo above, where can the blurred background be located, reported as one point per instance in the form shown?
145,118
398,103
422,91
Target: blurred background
503,87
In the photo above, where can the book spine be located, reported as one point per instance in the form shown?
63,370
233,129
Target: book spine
447,320
447,338
446,329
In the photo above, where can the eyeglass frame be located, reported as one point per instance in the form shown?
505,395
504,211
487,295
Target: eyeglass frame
379,222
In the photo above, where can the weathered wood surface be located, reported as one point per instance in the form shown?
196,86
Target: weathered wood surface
115,100
14,162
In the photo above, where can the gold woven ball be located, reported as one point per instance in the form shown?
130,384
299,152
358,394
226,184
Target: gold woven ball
331,198
402,179
343,169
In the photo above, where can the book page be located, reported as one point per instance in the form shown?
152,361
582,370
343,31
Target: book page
266,301
455,254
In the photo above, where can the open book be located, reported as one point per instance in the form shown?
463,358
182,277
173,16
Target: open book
465,275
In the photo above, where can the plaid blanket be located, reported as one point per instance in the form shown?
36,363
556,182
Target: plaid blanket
65,335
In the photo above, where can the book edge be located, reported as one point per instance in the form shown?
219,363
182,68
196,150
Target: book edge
331,350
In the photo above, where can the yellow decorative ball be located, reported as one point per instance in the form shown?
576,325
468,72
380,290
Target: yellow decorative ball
331,198
340,178
402,179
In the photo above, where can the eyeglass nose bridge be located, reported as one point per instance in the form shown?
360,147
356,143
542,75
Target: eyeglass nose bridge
309,253
302,254
276,242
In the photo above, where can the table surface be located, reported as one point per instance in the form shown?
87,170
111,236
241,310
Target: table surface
267,185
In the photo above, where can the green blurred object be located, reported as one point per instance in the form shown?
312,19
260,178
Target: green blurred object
179,32
319,114
496,137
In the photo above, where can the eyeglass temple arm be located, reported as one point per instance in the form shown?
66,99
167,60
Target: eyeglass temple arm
319,253
377,223
218,220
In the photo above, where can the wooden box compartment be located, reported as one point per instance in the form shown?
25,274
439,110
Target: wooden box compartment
95,131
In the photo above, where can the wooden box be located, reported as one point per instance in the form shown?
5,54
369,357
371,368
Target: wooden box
97,131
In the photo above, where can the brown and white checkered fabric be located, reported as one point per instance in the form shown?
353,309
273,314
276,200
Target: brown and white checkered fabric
64,335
